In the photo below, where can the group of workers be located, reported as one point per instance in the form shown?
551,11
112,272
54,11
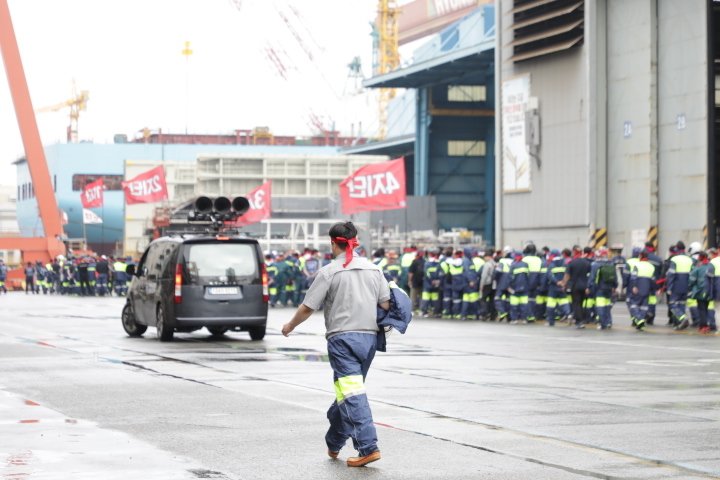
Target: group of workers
290,274
575,284
83,276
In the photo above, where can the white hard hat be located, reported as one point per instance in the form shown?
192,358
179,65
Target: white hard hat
507,249
694,248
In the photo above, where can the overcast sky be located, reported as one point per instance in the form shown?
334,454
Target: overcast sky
127,54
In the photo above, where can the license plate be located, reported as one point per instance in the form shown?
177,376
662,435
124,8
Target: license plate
223,290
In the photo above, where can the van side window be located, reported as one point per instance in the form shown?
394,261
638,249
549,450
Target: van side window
142,263
151,262
170,254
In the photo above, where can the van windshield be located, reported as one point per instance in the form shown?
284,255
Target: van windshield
221,263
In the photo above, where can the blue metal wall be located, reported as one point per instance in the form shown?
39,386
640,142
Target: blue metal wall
463,185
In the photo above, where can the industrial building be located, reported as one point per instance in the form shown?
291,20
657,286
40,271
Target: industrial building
450,152
606,121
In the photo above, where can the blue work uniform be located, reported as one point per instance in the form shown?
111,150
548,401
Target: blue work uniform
519,288
558,305
120,278
471,293
700,290
642,278
502,296
458,283
677,284
433,277
535,265
446,288
601,283
541,292
393,273
657,263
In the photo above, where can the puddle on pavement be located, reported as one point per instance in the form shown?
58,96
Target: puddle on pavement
310,357
201,473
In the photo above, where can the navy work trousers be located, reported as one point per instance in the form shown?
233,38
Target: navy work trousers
350,357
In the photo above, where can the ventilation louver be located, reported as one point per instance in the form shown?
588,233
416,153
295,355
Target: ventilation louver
544,27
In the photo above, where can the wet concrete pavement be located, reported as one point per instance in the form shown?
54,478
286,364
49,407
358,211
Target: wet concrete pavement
456,400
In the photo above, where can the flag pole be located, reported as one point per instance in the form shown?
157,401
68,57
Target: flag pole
84,232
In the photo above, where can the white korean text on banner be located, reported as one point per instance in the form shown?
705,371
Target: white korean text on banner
92,194
515,154
147,187
378,186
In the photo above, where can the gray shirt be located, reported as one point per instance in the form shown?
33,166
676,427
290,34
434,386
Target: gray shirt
488,271
349,295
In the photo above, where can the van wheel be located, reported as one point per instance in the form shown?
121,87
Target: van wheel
257,333
164,332
132,328
217,331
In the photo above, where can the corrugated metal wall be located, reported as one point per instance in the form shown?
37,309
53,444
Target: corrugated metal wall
657,119
683,119
632,118
556,208
623,127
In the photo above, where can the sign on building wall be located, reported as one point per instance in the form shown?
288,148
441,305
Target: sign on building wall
515,155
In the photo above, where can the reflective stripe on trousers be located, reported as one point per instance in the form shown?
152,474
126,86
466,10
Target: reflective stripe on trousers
350,356
603,308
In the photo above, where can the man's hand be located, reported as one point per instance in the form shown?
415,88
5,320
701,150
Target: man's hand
302,314
635,290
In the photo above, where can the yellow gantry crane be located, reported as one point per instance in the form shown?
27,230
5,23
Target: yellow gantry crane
77,103
387,54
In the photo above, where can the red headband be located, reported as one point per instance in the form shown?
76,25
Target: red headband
351,244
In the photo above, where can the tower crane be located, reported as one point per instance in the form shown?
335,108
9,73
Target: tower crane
77,103
386,54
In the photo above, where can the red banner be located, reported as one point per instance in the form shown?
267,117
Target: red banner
147,187
378,186
260,203
92,194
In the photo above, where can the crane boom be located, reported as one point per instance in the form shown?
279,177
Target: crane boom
50,245
388,56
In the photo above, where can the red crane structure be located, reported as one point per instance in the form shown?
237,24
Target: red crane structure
51,245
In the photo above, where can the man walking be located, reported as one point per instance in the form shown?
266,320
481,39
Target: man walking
349,289
601,284
677,280
415,279
642,284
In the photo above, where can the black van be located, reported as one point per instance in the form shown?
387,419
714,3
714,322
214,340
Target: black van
186,282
